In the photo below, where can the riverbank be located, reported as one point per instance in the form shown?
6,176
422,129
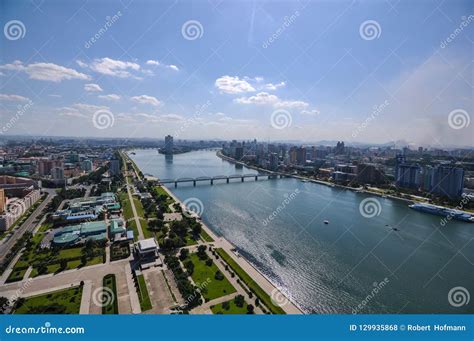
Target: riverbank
325,183
278,297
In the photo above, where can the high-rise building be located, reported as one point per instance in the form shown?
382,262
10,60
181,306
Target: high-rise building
301,156
168,144
447,181
274,161
3,200
114,167
407,175
369,174
86,165
57,173
239,152
45,166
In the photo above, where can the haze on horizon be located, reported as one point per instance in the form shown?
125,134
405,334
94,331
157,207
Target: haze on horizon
358,71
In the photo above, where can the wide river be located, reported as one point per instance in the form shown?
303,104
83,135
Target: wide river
356,263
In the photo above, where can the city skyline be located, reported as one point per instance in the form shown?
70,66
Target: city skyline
306,71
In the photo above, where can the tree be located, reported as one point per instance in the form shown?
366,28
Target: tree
189,265
63,264
219,276
226,305
250,309
209,262
4,302
257,301
239,301
183,254
201,252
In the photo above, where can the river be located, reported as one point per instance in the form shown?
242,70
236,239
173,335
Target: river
357,263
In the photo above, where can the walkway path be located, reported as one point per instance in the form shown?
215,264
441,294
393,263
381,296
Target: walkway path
134,210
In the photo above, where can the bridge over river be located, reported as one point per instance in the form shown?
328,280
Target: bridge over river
226,178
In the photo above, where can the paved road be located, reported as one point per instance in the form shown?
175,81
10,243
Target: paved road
28,225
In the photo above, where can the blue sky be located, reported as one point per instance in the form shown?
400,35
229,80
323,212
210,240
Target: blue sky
281,70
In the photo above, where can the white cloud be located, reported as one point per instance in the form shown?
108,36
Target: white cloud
158,63
112,67
312,112
13,98
45,71
271,86
233,85
153,62
110,97
291,104
264,98
145,99
92,87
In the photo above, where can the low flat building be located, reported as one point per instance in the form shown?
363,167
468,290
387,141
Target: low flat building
76,234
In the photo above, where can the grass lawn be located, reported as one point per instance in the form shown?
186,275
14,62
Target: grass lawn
66,301
126,205
259,292
70,253
143,222
16,275
72,264
206,237
189,240
169,200
233,309
203,277
143,296
44,228
112,306
128,213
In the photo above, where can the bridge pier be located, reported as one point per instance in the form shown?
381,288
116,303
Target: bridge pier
194,183
212,182
227,180
256,177
242,179
175,184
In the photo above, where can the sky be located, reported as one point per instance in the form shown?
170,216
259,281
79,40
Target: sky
357,71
